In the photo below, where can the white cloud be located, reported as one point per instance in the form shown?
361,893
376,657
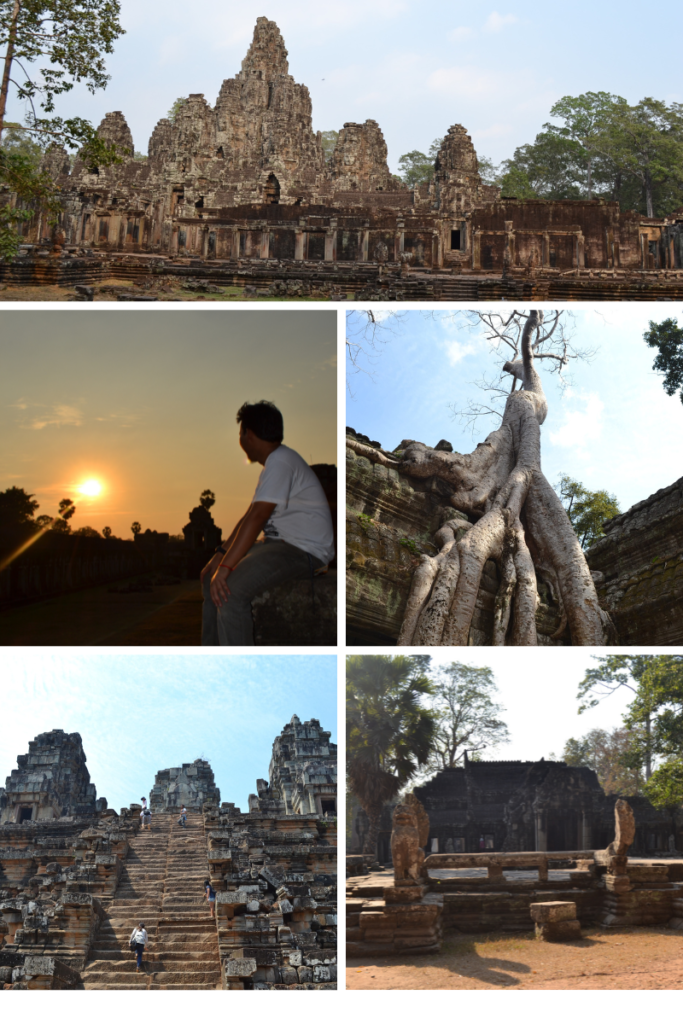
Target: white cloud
582,425
457,350
496,22
456,35
60,416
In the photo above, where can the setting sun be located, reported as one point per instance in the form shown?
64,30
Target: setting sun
91,487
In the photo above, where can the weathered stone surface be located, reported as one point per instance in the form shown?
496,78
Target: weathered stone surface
641,561
51,781
191,784
553,912
624,829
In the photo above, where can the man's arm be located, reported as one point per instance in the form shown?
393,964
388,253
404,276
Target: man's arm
248,530
216,559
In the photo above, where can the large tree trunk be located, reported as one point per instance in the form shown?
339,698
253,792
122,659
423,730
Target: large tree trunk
9,57
370,844
520,524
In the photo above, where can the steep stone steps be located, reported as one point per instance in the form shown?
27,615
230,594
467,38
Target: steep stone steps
162,885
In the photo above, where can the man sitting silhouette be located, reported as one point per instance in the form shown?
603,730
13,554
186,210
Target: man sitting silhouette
290,507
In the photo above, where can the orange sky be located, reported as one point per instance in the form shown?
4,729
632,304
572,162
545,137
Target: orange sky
144,401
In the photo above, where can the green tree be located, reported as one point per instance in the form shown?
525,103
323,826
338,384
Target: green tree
207,499
388,730
665,788
588,510
173,112
17,508
645,142
515,184
488,171
54,44
609,754
584,118
329,141
136,528
417,167
466,715
668,338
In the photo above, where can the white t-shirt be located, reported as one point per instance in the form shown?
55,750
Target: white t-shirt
302,515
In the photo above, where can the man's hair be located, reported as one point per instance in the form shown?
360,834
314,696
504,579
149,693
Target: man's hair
263,418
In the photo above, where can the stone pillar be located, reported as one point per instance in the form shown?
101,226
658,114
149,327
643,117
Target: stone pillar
586,833
365,243
437,250
174,241
399,239
541,835
510,241
476,250
235,243
331,243
265,244
580,251
299,239
545,250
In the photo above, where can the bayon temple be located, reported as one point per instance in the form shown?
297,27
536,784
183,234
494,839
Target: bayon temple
76,876
242,193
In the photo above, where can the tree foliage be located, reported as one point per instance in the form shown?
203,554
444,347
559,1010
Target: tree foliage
466,715
175,107
607,753
17,507
417,167
667,336
588,510
603,148
136,528
207,499
53,44
106,532
329,141
665,788
388,730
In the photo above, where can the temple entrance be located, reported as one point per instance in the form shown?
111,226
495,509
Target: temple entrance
271,192
25,814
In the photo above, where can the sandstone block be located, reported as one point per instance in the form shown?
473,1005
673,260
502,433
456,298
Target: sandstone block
552,912
243,967
559,931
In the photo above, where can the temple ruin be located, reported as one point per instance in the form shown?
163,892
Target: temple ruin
431,893
511,806
75,876
241,193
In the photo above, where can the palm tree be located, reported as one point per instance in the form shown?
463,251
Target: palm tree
388,733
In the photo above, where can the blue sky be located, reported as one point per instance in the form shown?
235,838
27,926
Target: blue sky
615,428
415,68
138,714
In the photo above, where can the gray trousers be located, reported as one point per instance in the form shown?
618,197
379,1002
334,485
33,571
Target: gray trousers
265,565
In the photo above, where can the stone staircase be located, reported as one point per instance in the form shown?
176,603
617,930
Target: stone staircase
162,885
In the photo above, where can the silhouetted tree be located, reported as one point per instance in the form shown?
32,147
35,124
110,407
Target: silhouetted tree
106,532
207,499
136,528
16,507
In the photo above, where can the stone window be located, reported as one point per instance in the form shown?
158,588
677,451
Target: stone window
328,805
455,239
25,814
271,192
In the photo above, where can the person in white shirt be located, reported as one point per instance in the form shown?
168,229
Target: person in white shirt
138,939
146,819
290,507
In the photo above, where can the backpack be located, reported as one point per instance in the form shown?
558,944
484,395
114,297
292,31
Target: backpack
147,813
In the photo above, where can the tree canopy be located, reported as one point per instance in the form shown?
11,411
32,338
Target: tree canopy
588,510
389,732
466,715
54,44
417,167
17,508
599,146
667,336
607,753
207,499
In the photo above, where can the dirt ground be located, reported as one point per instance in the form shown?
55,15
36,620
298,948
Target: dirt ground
168,615
628,958
53,293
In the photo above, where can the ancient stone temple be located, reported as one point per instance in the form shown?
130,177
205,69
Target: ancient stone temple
191,784
303,772
241,193
51,781
73,882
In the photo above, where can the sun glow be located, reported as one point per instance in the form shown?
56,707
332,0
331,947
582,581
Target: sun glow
91,487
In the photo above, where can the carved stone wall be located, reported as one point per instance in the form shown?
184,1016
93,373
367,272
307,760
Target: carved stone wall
302,773
641,562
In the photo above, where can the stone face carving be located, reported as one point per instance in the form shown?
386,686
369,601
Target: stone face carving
409,834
